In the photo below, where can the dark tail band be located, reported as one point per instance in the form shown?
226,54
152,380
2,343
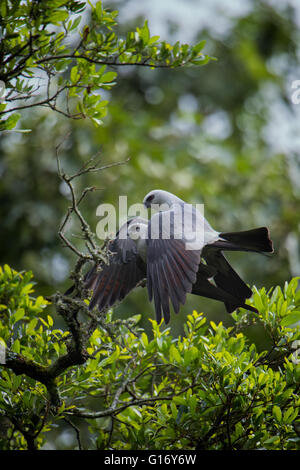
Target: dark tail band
257,239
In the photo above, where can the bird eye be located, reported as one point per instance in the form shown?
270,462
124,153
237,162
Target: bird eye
150,198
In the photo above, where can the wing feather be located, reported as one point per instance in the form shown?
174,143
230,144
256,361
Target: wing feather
111,282
171,268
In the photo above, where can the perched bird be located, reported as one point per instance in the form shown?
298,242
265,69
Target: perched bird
111,282
177,252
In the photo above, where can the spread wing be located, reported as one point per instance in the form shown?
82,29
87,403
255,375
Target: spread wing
111,282
171,268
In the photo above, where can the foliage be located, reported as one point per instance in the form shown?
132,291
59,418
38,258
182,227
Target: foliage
210,388
46,46
200,132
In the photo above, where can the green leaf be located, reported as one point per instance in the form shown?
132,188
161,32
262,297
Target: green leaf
31,326
277,413
74,75
198,47
57,17
18,315
174,410
99,10
271,440
290,415
96,121
174,354
190,354
144,33
144,340
290,318
8,271
16,346
108,77
27,289
75,23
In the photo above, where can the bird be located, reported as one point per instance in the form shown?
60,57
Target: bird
174,253
126,268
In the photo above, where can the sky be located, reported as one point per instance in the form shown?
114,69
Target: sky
190,15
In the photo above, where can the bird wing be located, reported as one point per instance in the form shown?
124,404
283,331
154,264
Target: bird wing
111,282
171,268
204,287
226,277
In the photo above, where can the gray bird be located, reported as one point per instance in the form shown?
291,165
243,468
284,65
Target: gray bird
177,252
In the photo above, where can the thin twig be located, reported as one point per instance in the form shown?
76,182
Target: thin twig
77,431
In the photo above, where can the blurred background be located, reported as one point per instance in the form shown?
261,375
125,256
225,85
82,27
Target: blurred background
226,135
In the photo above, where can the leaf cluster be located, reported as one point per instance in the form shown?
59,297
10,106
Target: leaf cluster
50,57
208,389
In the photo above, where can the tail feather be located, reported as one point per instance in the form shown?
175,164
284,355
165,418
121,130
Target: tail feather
229,287
257,239
227,279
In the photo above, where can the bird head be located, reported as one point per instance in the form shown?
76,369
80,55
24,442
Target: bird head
159,197
137,230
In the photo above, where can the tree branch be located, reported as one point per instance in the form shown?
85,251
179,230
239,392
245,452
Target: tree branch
67,307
